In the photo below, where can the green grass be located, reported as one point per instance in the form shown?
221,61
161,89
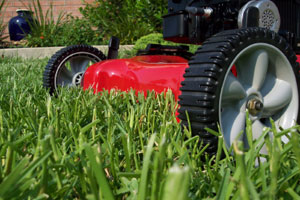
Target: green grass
122,146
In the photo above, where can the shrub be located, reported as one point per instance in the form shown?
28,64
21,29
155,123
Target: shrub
126,19
79,31
71,31
157,38
44,27
66,30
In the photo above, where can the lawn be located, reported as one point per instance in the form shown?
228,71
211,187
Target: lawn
121,146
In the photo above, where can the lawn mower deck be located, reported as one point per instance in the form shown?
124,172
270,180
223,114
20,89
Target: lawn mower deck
141,73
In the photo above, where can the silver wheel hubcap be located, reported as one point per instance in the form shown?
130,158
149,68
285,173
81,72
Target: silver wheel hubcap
71,70
265,84
77,78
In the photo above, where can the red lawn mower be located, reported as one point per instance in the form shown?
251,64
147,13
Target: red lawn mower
246,61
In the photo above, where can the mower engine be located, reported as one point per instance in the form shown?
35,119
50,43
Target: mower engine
246,64
191,21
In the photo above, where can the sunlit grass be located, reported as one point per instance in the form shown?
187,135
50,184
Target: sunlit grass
121,146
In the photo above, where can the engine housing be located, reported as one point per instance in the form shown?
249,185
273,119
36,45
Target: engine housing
187,21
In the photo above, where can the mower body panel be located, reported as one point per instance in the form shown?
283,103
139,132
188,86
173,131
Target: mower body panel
140,73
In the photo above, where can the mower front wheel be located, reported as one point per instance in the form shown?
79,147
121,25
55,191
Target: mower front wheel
66,67
265,83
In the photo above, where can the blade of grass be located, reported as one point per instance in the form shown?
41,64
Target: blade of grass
293,194
97,168
239,155
20,172
146,164
176,186
11,179
224,185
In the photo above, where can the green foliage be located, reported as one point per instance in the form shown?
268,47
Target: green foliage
2,24
65,30
71,31
44,27
153,38
117,145
127,19
78,31
157,38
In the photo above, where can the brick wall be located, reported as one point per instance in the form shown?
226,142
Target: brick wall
68,6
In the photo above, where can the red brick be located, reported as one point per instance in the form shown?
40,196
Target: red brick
10,9
20,4
59,3
11,3
68,6
9,15
89,1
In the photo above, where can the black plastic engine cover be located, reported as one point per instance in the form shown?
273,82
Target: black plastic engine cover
175,27
182,27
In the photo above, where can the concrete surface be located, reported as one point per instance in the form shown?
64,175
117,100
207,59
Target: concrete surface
42,52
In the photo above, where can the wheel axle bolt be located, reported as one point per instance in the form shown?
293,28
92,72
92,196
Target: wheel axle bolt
259,105
254,106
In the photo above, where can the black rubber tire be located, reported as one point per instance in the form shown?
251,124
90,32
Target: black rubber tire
59,58
206,72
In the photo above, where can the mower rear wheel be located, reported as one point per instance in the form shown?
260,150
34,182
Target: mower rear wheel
265,84
66,67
